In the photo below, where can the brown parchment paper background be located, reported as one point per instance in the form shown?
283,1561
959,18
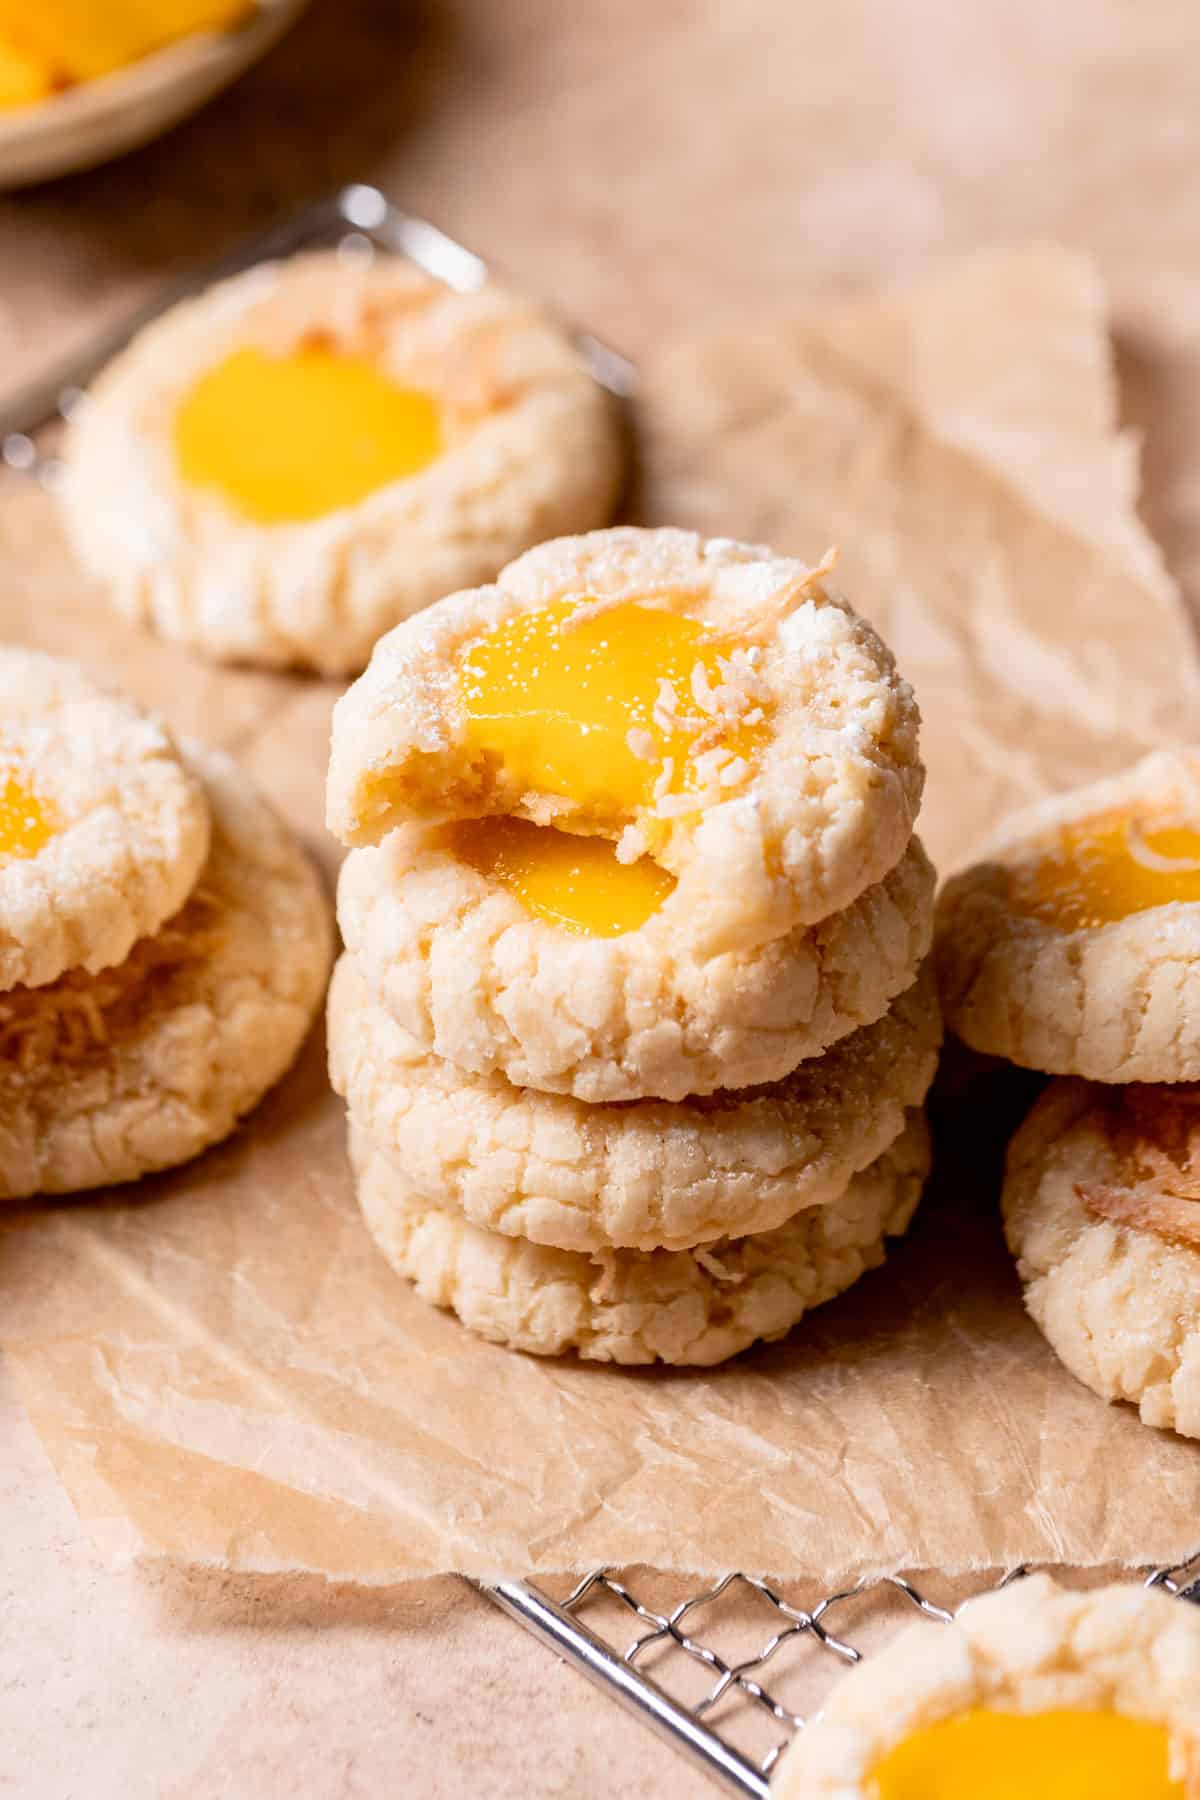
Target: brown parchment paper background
221,1367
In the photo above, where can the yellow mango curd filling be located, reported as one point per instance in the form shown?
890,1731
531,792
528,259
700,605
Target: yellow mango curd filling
46,45
612,708
1099,870
1065,1755
23,79
573,882
288,438
618,709
27,823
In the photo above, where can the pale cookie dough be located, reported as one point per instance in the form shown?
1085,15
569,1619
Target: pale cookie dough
1102,1211
107,1077
125,823
684,1307
645,1175
1031,1647
824,810
532,449
1117,1001
478,980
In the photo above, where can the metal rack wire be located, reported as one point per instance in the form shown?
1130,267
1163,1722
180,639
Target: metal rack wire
357,221
694,1627
709,1635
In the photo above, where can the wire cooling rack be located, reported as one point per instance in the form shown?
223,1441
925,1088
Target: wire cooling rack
698,1675
726,1674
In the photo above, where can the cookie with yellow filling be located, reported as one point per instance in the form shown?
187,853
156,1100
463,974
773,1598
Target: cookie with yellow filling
283,468
642,1175
1102,1211
1072,945
683,1307
705,705
520,950
103,828
106,1077
1033,1691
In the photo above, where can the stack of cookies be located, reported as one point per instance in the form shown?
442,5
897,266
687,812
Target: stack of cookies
164,942
632,1022
1072,946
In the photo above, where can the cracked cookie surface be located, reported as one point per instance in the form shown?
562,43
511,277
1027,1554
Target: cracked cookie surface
1072,945
474,978
762,753
106,1077
1102,1211
103,829
300,550
642,1174
686,1307
1125,1656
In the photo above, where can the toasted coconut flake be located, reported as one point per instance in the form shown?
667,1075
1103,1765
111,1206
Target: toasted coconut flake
1141,852
666,714
712,1265
78,1014
703,692
604,1287
587,608
680,806
759,627
1156,1133
662,787
1175,1218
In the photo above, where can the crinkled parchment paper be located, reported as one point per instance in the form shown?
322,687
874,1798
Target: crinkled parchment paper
223,1369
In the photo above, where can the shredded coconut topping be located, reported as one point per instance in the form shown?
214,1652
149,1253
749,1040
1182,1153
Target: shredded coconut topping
662,787
666,714
604,1287
632,844
1156,1131
70,1018
760,626
713,1266
1141,852
587,608
702,689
